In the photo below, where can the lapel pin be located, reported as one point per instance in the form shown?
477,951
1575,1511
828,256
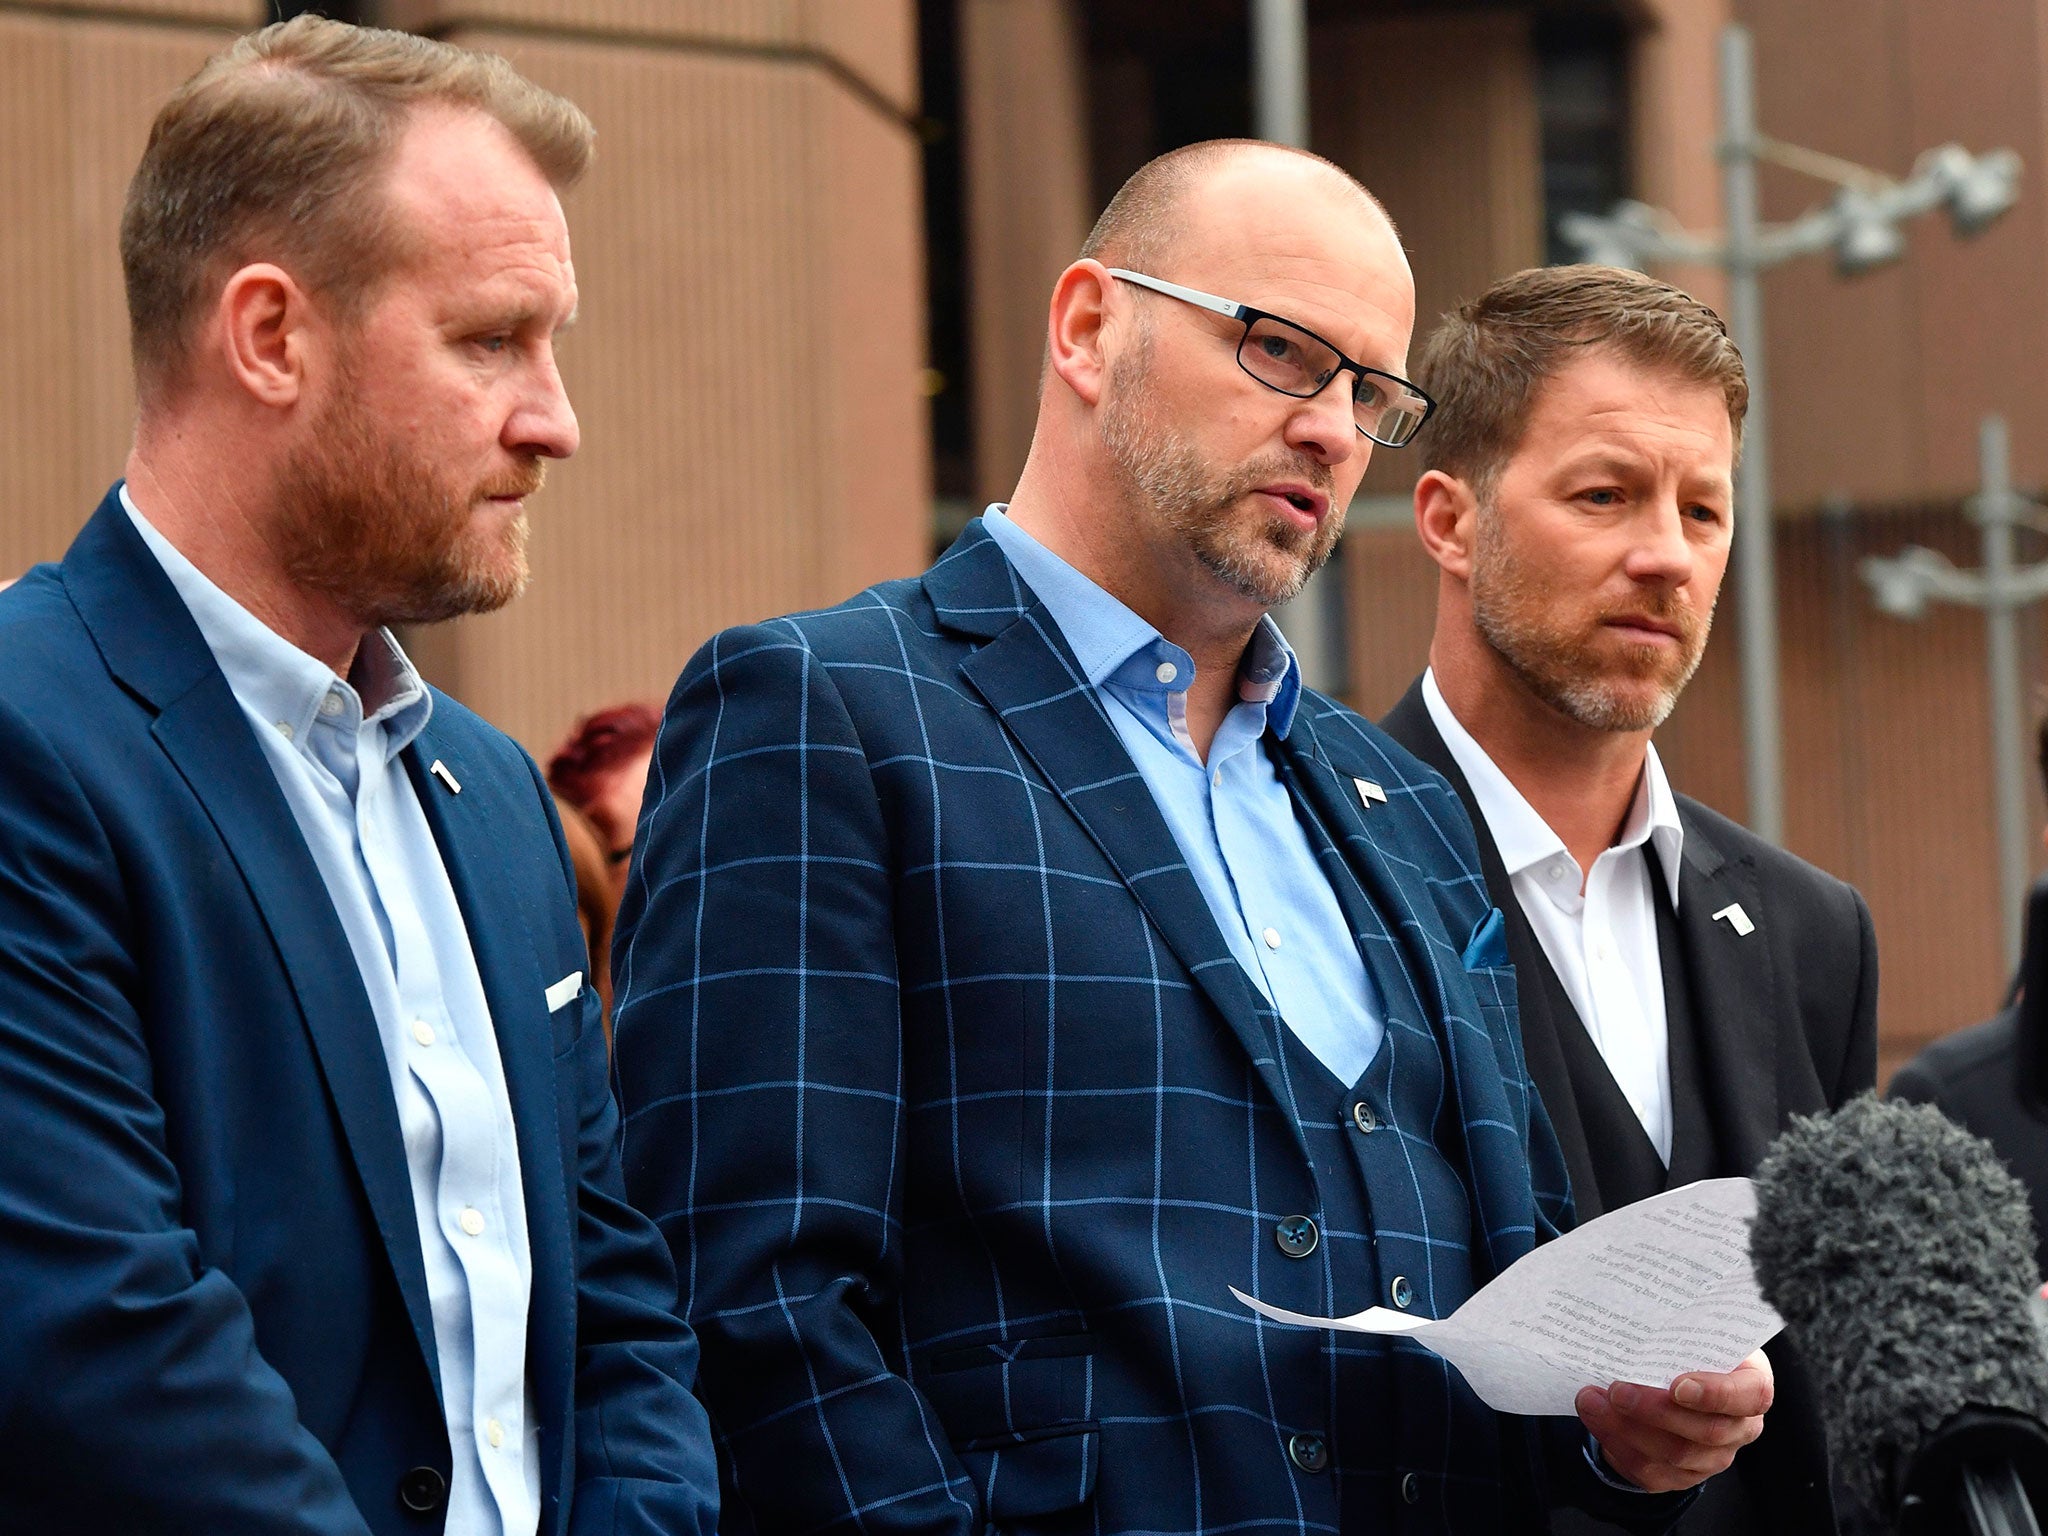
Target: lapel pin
1736,918
1369,793
440,771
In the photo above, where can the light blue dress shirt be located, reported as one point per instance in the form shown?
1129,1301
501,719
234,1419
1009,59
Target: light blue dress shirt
1232,818
382,869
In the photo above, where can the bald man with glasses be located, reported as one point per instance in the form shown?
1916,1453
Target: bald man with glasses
1018,957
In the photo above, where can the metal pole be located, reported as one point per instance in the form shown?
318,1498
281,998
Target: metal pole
1314,621
1995,510
1756,576
1280,71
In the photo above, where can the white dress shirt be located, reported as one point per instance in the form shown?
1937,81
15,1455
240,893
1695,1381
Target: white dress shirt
1598,927
334,752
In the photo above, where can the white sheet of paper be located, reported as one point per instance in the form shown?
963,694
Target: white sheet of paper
1643,1294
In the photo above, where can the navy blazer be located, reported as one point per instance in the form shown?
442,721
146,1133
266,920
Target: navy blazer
213,1309
960,1116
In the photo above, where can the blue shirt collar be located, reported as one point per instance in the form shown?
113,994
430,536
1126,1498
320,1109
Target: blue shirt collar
276,680
1117,648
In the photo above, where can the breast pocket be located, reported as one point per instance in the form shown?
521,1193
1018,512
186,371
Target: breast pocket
1020,1416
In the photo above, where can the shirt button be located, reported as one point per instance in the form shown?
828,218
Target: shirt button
495,1433
1166,671
1402,1292
1216,777
422,1031
1555,872
471,1221
1297,1236
331,705
284,729
1309,1452
1363,1117
1411,1489
1272,938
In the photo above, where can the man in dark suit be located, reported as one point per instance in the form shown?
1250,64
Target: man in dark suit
311,1221
1018,957
1684,986
1992,1078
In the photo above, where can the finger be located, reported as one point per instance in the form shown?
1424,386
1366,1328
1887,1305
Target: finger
1748,1389
1648,1457
1655,1408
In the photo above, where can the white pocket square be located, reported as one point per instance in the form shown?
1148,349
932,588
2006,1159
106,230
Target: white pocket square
566,990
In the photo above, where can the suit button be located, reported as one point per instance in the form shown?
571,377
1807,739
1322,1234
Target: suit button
1309,1452
422,1490
1402,1292
1363,1117
1297,1236
1411,1489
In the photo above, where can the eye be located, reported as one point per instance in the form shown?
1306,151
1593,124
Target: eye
1605,496
494,343
1279,348
1702,513
1371,392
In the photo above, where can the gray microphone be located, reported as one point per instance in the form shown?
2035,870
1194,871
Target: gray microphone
1900,1253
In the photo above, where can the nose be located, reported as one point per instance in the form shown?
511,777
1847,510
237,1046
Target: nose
1324,426
1663,555
545,422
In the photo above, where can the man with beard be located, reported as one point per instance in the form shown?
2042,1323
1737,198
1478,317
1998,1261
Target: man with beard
312,1221
1685,987
1017,957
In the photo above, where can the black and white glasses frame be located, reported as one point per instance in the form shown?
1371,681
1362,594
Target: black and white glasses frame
1293,360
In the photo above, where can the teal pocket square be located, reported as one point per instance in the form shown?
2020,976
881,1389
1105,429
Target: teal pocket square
1488,946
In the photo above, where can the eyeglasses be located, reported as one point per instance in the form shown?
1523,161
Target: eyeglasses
1296,361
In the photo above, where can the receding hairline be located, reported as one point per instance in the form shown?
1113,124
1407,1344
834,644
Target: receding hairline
1148,214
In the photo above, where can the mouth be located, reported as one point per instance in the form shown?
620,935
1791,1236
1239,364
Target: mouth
1642,627
1302,503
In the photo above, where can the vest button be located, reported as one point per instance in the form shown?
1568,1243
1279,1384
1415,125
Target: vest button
422,1490
1297,1236
1402,1292
1309,1452
1411,1489
1363,1117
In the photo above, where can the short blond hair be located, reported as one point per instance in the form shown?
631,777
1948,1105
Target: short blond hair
1487,361
273,151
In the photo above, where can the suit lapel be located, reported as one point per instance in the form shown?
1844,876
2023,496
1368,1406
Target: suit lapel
496,893
1738,1005
1026,674
1542,1032
151,644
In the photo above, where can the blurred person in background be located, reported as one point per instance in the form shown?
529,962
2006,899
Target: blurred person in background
312,1220
1019,956
601,771
1685,987
1992,1078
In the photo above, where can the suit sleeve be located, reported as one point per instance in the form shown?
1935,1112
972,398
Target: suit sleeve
760,1053
644,1460
132,1395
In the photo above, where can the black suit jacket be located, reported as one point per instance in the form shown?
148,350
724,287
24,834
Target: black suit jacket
1990,1078
1785,1022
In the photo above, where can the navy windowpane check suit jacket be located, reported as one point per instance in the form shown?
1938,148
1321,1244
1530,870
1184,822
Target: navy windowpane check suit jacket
961,1119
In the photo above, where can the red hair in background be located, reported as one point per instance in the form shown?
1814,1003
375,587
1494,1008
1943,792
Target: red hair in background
600,745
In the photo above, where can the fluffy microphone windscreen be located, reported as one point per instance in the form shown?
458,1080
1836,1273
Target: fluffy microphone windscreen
1901,1255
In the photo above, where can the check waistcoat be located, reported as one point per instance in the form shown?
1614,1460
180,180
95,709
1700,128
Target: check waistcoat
1394,1229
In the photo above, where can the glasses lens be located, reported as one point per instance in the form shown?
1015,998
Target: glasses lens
1389,412
1286,359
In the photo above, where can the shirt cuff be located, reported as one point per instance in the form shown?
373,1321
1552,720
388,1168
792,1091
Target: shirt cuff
1605,1473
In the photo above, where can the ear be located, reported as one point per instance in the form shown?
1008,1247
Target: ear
1077,328
263,323
1447,521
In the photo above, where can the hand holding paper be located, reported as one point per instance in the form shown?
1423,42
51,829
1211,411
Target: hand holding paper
1643,1294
